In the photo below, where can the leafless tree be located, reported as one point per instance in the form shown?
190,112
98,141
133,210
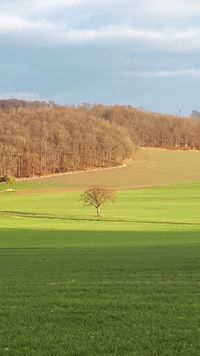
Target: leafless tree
97,196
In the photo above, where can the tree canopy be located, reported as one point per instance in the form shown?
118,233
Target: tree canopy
45,140
38,138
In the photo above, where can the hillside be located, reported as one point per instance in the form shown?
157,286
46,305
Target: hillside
150,167
42,138
46,140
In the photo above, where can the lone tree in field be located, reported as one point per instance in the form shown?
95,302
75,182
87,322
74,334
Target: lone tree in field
98,195
8,180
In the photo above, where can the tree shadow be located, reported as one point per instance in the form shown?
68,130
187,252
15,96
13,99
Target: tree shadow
35,215
24,238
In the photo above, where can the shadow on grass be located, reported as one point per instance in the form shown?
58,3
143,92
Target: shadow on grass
34,215
46,238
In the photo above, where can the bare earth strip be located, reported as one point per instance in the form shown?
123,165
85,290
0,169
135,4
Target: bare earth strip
150,167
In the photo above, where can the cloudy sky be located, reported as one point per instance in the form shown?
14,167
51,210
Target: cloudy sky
144,53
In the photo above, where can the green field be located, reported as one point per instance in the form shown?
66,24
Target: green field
126,284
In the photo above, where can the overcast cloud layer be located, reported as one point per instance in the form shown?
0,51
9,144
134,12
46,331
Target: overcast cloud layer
139,52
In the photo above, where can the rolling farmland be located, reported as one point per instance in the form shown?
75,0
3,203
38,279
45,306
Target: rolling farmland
124,284
150,167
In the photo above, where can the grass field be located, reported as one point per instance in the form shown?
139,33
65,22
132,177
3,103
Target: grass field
127,284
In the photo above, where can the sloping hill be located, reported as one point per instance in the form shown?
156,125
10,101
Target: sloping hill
151,167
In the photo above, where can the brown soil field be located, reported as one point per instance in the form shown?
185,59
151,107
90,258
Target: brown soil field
150,167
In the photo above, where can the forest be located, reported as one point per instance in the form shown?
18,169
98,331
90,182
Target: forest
39,138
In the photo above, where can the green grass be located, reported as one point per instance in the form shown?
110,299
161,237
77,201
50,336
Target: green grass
127,284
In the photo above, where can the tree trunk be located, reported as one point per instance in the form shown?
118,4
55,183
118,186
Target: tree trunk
98,211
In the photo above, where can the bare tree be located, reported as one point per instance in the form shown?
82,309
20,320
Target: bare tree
9,180
97,196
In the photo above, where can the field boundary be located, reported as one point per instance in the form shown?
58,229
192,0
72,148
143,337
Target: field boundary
124,165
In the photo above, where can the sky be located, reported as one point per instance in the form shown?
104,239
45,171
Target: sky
144,53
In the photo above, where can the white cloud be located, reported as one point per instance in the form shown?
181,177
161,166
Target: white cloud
43,32
20,7
133,8
10,24
169,8
29,22
165,73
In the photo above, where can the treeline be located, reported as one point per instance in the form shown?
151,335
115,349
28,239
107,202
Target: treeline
13,104
38,138
46,140
153,130
195,114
